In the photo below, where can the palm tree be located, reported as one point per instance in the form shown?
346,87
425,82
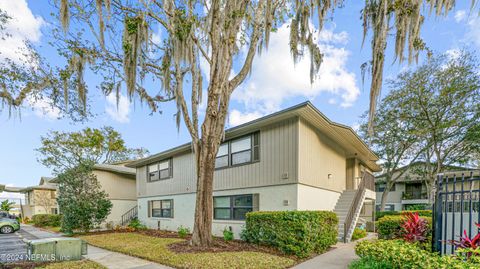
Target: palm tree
6,205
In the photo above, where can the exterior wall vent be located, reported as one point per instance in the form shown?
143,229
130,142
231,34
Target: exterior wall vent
285,175
286,202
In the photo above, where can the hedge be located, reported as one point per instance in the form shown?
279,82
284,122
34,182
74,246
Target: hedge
43,220
301,233
390,227
398,254
421,213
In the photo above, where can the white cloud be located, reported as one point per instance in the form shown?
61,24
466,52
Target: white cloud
236,117
460,15
118,113
43,108
473,33
275,78
22,27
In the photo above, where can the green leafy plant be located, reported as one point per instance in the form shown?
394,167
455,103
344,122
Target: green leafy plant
6,205
44,220
301,233
390,227
368,263
421,213
398,254
183,232
83,203
358,233
137,225
227,235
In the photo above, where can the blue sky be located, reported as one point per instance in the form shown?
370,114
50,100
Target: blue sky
274,84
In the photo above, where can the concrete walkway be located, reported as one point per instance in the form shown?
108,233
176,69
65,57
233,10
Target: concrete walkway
338,258
109,259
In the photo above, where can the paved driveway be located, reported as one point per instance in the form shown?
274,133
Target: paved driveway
12,247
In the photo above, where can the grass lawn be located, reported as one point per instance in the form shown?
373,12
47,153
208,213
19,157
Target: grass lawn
52,229
83,264
156,249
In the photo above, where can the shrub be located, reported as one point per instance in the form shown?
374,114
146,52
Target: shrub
421,213
390,227
399,254
415,229
137,225
368,263
358,233
301,233
43,220
183,231
227,235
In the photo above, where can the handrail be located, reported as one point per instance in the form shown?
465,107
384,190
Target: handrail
351,212
129,215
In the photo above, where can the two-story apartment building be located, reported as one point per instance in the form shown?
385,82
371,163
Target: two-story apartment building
295,159
40,199
410,189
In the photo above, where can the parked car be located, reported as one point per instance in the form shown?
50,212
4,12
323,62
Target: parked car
7,224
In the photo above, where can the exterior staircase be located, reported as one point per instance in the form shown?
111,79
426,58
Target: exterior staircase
129,216
348,209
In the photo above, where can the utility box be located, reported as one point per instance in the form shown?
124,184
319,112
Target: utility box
56,249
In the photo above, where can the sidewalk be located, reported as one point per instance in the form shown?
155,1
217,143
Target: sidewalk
338,258
109,259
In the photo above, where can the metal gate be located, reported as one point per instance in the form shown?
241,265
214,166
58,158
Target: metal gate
456,208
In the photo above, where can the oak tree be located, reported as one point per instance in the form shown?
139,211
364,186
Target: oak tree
112,38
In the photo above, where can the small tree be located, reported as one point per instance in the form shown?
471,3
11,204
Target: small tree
66,150
6,205
83,204
395,141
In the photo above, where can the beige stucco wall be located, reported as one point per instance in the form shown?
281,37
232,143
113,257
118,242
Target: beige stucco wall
118,186
311,198
119,207
319,156
277,165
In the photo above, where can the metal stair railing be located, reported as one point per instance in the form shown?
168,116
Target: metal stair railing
353,207
130,215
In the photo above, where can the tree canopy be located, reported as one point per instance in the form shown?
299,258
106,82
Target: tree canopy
66,150
433,113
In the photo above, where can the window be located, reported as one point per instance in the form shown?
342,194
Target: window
239,151
380,187
160,208
161,170
232,207
222,156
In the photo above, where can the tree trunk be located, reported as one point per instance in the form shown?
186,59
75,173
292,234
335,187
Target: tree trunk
202,230
384,198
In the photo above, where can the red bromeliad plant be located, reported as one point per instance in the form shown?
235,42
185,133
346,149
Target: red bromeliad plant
415,228
467,242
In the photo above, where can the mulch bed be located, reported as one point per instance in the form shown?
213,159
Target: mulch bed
220,245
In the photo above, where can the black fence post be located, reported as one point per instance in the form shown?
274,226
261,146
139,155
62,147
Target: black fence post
437,216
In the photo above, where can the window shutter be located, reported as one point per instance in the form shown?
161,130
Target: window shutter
149,209
256,202
172,208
